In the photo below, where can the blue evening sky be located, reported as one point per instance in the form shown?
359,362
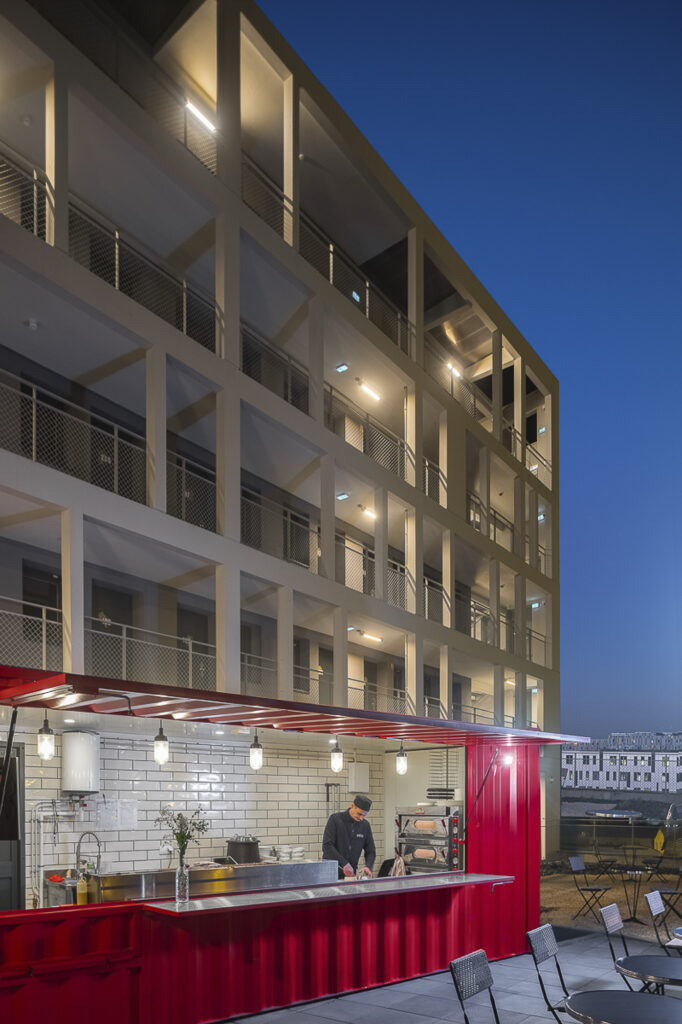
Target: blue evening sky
545,141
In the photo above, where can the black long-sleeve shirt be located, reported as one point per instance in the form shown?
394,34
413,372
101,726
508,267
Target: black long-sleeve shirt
345,839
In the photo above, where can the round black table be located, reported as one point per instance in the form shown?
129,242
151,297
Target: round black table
652,970
606,1006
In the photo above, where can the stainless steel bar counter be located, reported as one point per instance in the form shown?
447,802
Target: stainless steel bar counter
318,893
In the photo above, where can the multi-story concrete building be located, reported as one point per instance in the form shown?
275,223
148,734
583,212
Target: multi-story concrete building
639,762
260,426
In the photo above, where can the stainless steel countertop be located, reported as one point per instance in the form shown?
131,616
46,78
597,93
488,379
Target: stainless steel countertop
344,890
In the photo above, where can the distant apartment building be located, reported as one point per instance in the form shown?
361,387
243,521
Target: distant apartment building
637,761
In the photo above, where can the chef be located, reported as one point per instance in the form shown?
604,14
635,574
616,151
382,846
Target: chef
346,835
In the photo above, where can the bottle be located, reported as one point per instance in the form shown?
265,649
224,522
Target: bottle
82,889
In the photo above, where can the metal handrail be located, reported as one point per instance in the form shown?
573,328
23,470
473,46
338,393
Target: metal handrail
126,628
430,467
22,174
192,466
389,693
290,370
397,458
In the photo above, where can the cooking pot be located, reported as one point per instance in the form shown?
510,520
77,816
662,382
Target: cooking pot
243,849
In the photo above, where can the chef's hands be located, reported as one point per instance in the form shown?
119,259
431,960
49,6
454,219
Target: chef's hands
348,870
367,872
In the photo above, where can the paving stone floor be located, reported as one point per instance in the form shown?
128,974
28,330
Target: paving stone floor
585,961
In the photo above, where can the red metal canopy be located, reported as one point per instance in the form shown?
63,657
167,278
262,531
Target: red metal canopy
65,691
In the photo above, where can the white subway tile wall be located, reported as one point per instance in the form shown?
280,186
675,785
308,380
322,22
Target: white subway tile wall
283,803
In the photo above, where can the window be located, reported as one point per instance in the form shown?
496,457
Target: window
569,759
679,762
679,775
595,776
665,777
623,762
647,776
612,759
586,758
594,759
638,776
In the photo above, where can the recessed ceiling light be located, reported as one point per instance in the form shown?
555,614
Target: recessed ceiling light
541,517
199,116
535,604
342,367
368,391
342,495
541,430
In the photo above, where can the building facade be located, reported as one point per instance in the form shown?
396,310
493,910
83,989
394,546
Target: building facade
261,427
636,762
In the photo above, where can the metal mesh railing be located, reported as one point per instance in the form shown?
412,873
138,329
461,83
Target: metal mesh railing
190,492
469,396
434,482
30,635
258,675
24,196
436,601
545,561
102,251
474,619
538,648
266,199
340,270
511,439
120,651
279,531
313,686
400,587
538,465
500,529
363,432
354,565
366,696
274,369
465,712
45,428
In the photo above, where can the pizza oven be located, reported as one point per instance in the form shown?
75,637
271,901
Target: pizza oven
430,837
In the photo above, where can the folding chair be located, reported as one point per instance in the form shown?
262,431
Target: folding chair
591,894
658,916
671,897
605,864
471,975
543,947
653,866
613,923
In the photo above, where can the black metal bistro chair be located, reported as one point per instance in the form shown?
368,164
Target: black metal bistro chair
668,943
471,975
543,947
604,865
671,896
591,894
653,866
613,926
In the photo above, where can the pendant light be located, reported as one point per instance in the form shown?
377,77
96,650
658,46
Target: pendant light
256,753
45,742
337,757
161,747
401,761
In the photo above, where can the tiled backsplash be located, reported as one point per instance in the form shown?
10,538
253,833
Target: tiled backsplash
284,802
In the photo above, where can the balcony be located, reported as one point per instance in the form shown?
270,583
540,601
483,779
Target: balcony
121,263
365,433
434,708
433,482
126,652
500,529
48,429
538,465
470,397
436,602
354,565
30,635
372,697
274,369
259,679
279,531
400,586
190,492
24,195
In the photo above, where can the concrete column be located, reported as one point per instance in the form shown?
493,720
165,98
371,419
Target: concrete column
228,461
380,541
447,667
443,458
227,270
291,162
415,290
414,558
494,598
414,434
497,385
340,658
455,466
155,364
498,694
484,489
449,574
533,554
316,359
414,670
519,547
327,517
520,644
57,158
73,590
228,102
285,643
520,405
520,700
228,628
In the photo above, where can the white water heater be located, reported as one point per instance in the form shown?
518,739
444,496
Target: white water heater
80,762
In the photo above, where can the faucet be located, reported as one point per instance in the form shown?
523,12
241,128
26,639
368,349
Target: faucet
78,850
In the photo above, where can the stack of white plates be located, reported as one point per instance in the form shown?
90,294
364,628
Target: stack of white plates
284,852
298,853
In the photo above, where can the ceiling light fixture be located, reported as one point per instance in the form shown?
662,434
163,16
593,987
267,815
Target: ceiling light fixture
368,511
256,753
161,747
401,761
69,721
453,370
342,367
541,430
45,742
535,604
367,389
510,682
220,732
541,517
336,758
371,636
199,116
534,468
342,495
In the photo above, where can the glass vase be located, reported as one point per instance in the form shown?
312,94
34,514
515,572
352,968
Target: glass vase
182,882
